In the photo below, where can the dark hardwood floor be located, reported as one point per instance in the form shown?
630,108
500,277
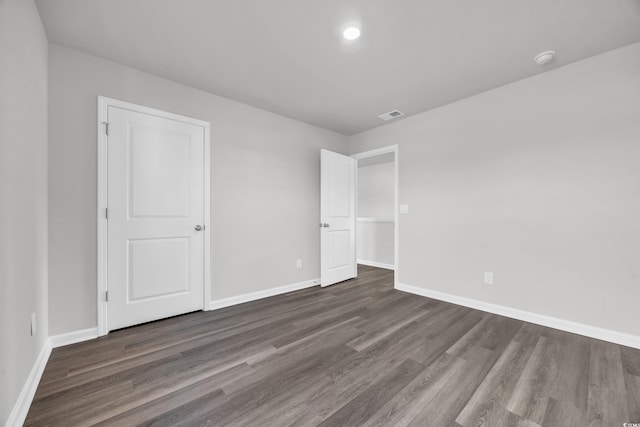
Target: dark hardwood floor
356,353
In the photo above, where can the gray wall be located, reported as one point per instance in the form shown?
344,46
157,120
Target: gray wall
375,242
23,194
265,184
537,181
376,186
375,190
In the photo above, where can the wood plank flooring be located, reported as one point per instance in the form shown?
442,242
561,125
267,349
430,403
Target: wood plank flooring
357,353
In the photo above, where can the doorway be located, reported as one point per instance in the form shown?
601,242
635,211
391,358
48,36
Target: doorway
153,215
377,208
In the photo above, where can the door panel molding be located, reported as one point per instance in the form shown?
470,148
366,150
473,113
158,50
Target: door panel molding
102,222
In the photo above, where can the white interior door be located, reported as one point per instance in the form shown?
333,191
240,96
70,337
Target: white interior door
337,218
155,199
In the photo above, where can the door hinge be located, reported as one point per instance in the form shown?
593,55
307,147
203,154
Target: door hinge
106,128
106,296
106,213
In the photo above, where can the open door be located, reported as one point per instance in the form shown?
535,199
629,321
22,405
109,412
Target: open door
337,218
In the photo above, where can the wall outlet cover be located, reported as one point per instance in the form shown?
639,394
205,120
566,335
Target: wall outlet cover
488,278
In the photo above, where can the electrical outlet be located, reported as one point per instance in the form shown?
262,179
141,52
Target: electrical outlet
299,263
488,278
33,324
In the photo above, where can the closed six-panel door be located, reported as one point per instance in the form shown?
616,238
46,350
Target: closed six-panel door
155,201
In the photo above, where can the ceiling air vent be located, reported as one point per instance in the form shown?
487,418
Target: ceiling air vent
391,115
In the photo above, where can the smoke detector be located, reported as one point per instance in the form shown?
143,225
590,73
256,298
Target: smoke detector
545,57
391,115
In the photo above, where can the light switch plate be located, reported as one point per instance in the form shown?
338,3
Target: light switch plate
404,208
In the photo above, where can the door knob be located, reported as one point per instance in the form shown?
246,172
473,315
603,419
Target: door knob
198,227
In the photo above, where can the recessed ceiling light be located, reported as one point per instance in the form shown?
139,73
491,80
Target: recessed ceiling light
545,57
351,33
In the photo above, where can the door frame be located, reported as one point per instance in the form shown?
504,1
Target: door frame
103,105
396,202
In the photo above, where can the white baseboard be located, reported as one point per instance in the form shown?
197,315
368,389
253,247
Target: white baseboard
252,296
376,264
527,316
73,337
21,407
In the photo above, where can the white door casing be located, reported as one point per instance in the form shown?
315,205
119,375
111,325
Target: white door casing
337,218
157,227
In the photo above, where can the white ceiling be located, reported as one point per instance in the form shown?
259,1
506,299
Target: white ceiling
287,56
